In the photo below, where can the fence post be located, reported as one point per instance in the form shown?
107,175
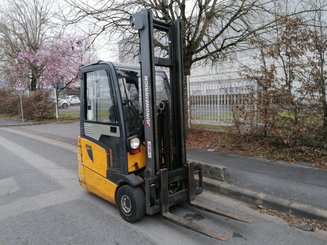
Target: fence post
56,102
21,104
256,116
188,102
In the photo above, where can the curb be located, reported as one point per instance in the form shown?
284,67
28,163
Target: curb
216,172
258,198
19,124
16,125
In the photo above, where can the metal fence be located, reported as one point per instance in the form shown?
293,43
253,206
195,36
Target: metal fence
212,102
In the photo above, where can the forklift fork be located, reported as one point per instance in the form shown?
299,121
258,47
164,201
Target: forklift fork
194,187
197,188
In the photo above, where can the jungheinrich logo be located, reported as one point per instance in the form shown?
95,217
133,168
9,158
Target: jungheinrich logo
147,121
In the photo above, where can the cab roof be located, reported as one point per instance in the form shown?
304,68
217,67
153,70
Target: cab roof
120,65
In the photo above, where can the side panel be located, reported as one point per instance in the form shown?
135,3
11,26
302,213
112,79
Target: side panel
99,185
95,157
92,169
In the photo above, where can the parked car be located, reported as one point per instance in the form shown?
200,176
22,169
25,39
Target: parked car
63,103
73,99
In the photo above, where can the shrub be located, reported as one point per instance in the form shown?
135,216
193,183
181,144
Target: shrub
38,106
9,102
305,129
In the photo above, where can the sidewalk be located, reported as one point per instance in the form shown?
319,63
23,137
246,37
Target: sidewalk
271,181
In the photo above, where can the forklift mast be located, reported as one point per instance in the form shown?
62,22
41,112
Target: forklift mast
173,141
164,131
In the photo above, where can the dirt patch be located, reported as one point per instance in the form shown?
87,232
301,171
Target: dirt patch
293,221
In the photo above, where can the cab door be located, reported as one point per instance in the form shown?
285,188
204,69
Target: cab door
101,142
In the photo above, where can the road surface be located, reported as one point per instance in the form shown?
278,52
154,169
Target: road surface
41,202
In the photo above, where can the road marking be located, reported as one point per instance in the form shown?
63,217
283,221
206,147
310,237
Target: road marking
47,167
64,177
53,142
8,186
37,202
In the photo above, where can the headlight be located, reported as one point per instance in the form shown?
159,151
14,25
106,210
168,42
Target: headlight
135,143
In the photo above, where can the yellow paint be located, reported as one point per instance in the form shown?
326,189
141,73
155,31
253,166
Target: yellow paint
136,161
99,185
92,173
100,156
81,176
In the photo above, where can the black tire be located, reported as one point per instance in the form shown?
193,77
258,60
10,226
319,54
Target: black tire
64,106
131,203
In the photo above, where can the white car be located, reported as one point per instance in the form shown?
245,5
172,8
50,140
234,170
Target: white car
73,99
63,103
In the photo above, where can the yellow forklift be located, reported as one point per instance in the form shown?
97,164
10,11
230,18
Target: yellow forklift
132,139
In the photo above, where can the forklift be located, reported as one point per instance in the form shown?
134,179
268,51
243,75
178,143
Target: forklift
131,149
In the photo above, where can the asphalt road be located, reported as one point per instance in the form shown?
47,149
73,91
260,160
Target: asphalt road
297,182
41,202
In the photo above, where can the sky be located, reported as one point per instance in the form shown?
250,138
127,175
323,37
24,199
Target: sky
106,49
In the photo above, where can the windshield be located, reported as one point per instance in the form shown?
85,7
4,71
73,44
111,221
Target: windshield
130,90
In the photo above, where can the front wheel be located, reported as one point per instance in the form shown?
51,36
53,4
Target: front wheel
131,203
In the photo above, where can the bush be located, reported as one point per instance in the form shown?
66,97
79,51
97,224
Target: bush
283,126
39,106
305,130
9,102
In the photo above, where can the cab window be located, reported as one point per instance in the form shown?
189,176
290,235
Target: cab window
99,100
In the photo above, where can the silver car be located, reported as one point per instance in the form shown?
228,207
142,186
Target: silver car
63,103
73,99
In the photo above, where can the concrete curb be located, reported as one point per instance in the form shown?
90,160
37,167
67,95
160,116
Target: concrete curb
17,125
258,198
216,172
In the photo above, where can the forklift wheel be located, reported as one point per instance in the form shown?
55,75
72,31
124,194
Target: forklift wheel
131,203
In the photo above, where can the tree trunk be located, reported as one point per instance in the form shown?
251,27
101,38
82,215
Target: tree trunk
33,83
34,78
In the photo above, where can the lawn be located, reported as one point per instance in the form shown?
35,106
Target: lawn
68,115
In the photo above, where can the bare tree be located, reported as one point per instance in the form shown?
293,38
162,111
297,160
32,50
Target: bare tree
318,27
264,75
210,26
287,80
24,25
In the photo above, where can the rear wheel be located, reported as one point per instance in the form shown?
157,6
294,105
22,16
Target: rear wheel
131,203
64,106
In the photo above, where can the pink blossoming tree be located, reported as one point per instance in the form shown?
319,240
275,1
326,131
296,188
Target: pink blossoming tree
54,64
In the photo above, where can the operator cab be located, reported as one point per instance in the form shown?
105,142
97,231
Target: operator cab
112,117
